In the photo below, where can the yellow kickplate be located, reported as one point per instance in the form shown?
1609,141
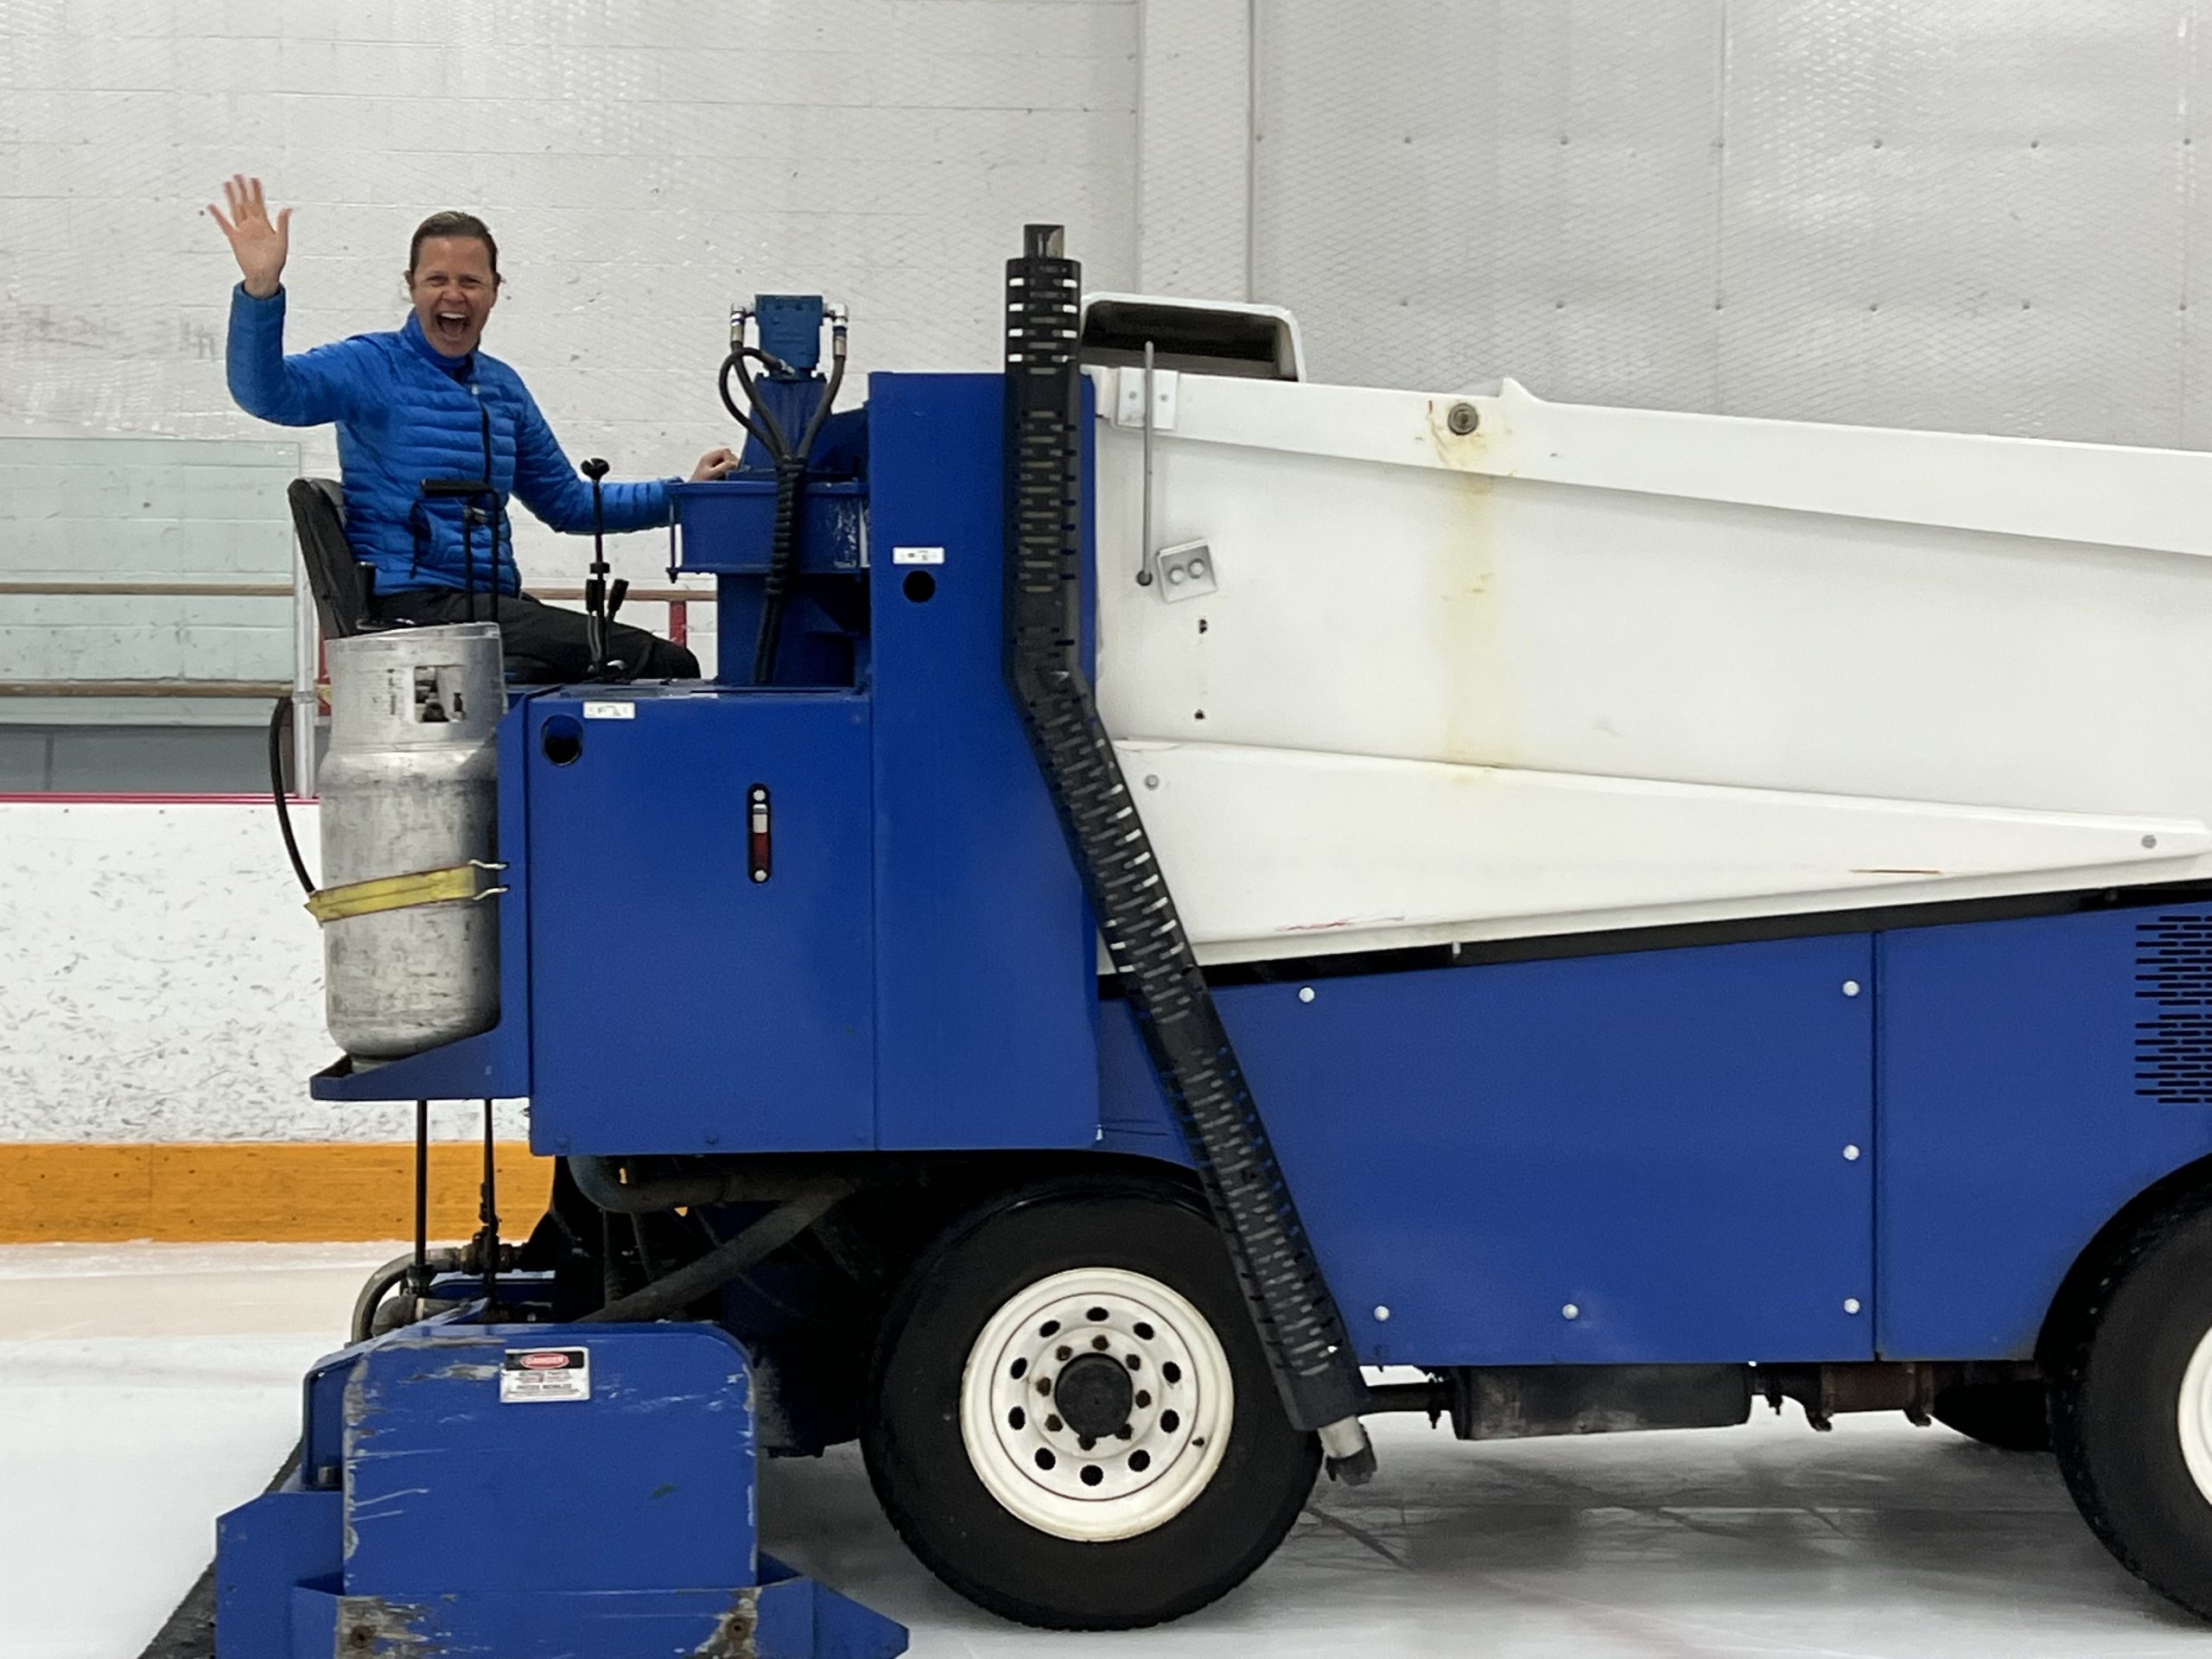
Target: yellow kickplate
276,1190
461,881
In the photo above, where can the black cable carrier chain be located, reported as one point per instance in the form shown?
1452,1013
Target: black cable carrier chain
1299,1323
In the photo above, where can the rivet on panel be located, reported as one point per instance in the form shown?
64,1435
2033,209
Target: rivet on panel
1381,1312
1152,780
1305,993
1851,988
1851,1304
2150,840
1850,1154
1570,1311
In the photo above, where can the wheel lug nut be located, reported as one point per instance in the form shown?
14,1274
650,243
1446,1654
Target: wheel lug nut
1064,1354
1099,1343
1052,1425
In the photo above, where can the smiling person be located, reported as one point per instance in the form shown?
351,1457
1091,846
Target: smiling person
422,402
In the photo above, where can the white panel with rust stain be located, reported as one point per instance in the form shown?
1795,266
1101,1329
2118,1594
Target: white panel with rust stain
1994,638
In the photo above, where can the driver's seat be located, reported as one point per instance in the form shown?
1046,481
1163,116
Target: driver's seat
345,588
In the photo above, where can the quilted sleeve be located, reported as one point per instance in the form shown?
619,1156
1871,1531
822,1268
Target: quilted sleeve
549,484
327,384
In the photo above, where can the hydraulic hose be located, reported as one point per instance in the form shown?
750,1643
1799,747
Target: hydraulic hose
735,361
280,720
381,1282
667,1297
791,474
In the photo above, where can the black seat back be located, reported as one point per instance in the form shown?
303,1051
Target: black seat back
342,586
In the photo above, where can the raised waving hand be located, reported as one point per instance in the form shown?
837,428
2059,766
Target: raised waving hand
259,244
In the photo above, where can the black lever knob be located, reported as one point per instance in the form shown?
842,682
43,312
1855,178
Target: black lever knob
594,469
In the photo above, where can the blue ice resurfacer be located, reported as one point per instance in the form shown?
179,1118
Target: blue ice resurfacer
1835,1095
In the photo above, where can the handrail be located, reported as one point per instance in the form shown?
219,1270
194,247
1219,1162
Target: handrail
263,688
283,590
155,589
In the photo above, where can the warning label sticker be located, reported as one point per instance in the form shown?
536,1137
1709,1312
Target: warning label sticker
532,1374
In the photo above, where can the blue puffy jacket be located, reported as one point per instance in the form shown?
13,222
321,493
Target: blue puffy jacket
404,415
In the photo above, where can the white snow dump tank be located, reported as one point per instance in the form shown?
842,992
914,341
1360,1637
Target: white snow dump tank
410,835
1416,668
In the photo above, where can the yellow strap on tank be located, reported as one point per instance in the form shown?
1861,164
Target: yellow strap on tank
458,882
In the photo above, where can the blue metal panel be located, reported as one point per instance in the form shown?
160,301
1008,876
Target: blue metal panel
2010,1127
986,997
614,1523
262,1549
642,1486
494,1066
1654,1139
727,524
681,1006
322,1416
791,328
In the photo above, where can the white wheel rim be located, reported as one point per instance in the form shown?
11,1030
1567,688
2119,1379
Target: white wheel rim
1036,1465
2195,1416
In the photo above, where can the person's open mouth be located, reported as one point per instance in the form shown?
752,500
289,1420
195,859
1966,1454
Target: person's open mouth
452,327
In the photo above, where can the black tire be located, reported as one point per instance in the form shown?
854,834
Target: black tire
2116,1405
2010,1417
924,1474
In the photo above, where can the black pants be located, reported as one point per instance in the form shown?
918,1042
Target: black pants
544,643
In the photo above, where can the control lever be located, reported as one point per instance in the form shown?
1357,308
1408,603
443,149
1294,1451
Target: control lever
601,600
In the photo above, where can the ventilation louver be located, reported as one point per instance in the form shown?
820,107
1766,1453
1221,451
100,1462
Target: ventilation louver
2173,979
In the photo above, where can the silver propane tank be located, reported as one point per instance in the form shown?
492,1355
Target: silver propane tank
411,941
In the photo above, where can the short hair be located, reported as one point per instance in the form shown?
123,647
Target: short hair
453,223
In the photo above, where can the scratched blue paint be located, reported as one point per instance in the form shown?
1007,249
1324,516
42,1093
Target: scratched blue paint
599,1528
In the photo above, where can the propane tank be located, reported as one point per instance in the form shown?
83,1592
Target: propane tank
408,788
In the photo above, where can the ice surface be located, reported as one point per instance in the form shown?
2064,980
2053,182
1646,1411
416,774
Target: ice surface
118,1446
